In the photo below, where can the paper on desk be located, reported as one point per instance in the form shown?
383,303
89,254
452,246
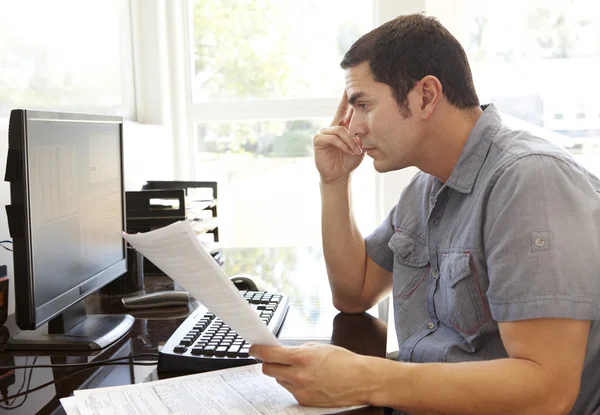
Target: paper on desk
70,405
240,390
175,249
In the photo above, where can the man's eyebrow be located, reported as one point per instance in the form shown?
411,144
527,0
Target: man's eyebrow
354,97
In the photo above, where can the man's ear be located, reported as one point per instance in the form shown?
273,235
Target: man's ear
431,93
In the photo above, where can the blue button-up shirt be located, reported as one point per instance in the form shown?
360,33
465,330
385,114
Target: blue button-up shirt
513,234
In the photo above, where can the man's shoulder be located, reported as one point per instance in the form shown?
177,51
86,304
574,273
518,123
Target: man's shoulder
521,153
515,144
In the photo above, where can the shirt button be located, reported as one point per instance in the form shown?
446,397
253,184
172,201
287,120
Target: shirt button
436,222
431,325
435,273
540,242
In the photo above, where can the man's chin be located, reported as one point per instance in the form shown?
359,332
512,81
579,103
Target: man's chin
380,167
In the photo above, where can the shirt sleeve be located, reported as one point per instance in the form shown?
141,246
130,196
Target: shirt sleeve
542,241
377,243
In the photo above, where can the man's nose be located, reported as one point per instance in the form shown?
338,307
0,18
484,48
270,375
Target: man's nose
354,126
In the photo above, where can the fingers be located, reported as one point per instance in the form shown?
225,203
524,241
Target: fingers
347,118
286,385
280,372
342,110
273,354
340,138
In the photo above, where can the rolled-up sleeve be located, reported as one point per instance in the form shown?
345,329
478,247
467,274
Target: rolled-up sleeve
377,243
542,242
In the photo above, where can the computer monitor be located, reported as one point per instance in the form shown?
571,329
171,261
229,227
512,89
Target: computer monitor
65,218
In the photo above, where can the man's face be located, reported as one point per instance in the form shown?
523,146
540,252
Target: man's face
388,137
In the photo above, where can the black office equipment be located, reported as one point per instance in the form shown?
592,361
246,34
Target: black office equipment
161,203
3,294
157,299
66,214
203,342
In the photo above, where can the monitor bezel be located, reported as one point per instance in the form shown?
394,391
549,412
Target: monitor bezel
28,315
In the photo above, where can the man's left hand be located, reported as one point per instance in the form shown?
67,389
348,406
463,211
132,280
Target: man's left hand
316,374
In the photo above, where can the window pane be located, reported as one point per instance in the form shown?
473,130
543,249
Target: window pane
297,271
541,70
244,49
61,55
268,183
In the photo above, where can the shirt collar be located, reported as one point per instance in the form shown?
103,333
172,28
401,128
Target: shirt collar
475,151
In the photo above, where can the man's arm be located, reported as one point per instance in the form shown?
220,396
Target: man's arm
541,375
357,282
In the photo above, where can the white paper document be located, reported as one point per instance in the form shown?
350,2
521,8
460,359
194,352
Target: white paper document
70,405
242,390
175,249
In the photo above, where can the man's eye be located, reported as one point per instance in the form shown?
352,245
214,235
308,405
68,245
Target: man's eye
363,106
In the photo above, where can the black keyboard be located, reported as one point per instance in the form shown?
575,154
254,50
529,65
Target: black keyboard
203,342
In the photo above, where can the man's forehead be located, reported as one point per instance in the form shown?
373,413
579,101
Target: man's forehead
359,73
355,95
357,87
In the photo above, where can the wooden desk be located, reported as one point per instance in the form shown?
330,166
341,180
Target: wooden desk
361,333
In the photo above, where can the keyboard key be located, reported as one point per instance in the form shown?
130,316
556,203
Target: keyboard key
233,351
179,349
209,350
197,351
221,351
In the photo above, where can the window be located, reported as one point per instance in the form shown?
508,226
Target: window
284,49
64,55
264,78
527,57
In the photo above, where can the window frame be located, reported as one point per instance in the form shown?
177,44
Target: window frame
163,84
184,113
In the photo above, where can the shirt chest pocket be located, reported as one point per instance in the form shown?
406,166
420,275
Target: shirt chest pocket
411,267
460,298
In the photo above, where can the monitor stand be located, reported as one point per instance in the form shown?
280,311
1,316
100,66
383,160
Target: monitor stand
74,330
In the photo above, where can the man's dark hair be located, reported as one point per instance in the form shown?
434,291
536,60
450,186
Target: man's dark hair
410,47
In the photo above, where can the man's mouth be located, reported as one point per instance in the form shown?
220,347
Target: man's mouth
367,149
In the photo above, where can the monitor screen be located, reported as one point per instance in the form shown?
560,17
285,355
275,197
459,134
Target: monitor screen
66,212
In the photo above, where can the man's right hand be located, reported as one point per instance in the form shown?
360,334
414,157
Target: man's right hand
336,152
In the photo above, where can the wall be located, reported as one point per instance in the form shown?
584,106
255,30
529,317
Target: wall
147,152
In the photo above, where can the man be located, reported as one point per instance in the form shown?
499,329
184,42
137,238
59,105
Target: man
492,252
